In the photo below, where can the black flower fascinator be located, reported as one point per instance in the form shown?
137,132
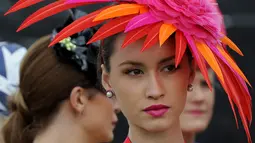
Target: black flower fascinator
74,48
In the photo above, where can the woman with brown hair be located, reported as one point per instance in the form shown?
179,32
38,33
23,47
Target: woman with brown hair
59,100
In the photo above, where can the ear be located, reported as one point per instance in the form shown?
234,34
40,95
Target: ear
105,78
78,99
192,71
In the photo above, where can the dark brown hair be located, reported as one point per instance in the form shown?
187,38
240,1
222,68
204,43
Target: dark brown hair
45,81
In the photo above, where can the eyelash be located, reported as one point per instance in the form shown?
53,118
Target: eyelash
137,72
203,84
129,71
173,68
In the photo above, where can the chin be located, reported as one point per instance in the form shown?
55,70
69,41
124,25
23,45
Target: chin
106,137
157,125
197,128
110,137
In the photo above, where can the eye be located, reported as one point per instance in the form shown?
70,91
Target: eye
204,84
170,68
133,72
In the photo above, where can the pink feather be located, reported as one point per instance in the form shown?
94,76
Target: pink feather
200,61
219,55
141,20
78,1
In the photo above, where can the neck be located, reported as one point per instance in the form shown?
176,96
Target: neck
172,135
189,137
63,129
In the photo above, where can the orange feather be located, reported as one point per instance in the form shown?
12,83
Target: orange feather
231,44
119,10
232,63
199,60
166,30
209,57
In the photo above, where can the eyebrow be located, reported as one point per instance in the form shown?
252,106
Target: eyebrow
134,63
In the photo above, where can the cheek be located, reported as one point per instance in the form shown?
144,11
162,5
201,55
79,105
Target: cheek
129,94
105,107
128,91
188,102
176,88
128,97
210,99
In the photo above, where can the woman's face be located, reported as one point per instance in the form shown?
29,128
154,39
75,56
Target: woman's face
199,105
150,91
100,117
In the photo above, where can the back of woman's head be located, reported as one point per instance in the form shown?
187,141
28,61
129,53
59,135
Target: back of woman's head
45,81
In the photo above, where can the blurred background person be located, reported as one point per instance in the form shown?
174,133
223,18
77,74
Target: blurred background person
198,110
199,106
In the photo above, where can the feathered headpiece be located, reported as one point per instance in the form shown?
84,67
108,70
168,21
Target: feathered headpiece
196,24
74,48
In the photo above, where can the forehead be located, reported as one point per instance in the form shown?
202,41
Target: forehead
133,51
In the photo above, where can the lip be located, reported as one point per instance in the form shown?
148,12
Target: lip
156,110
114,123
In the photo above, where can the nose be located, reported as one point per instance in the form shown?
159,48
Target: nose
155,89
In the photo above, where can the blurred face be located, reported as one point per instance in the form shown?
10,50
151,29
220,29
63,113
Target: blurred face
151,92
199,105
100,117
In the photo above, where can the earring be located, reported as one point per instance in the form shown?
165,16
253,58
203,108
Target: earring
109,94
190,87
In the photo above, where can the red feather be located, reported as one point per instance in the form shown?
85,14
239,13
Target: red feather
230,99
112,27
153,36
22,4
199,60
77,26
239,96
136,34
180,46
47,11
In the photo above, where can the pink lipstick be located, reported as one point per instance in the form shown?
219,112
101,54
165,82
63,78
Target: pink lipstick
156,110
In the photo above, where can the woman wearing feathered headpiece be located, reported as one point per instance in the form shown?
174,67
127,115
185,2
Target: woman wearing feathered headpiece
149,55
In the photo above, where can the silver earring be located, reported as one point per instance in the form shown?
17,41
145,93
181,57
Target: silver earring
109,94
190,87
